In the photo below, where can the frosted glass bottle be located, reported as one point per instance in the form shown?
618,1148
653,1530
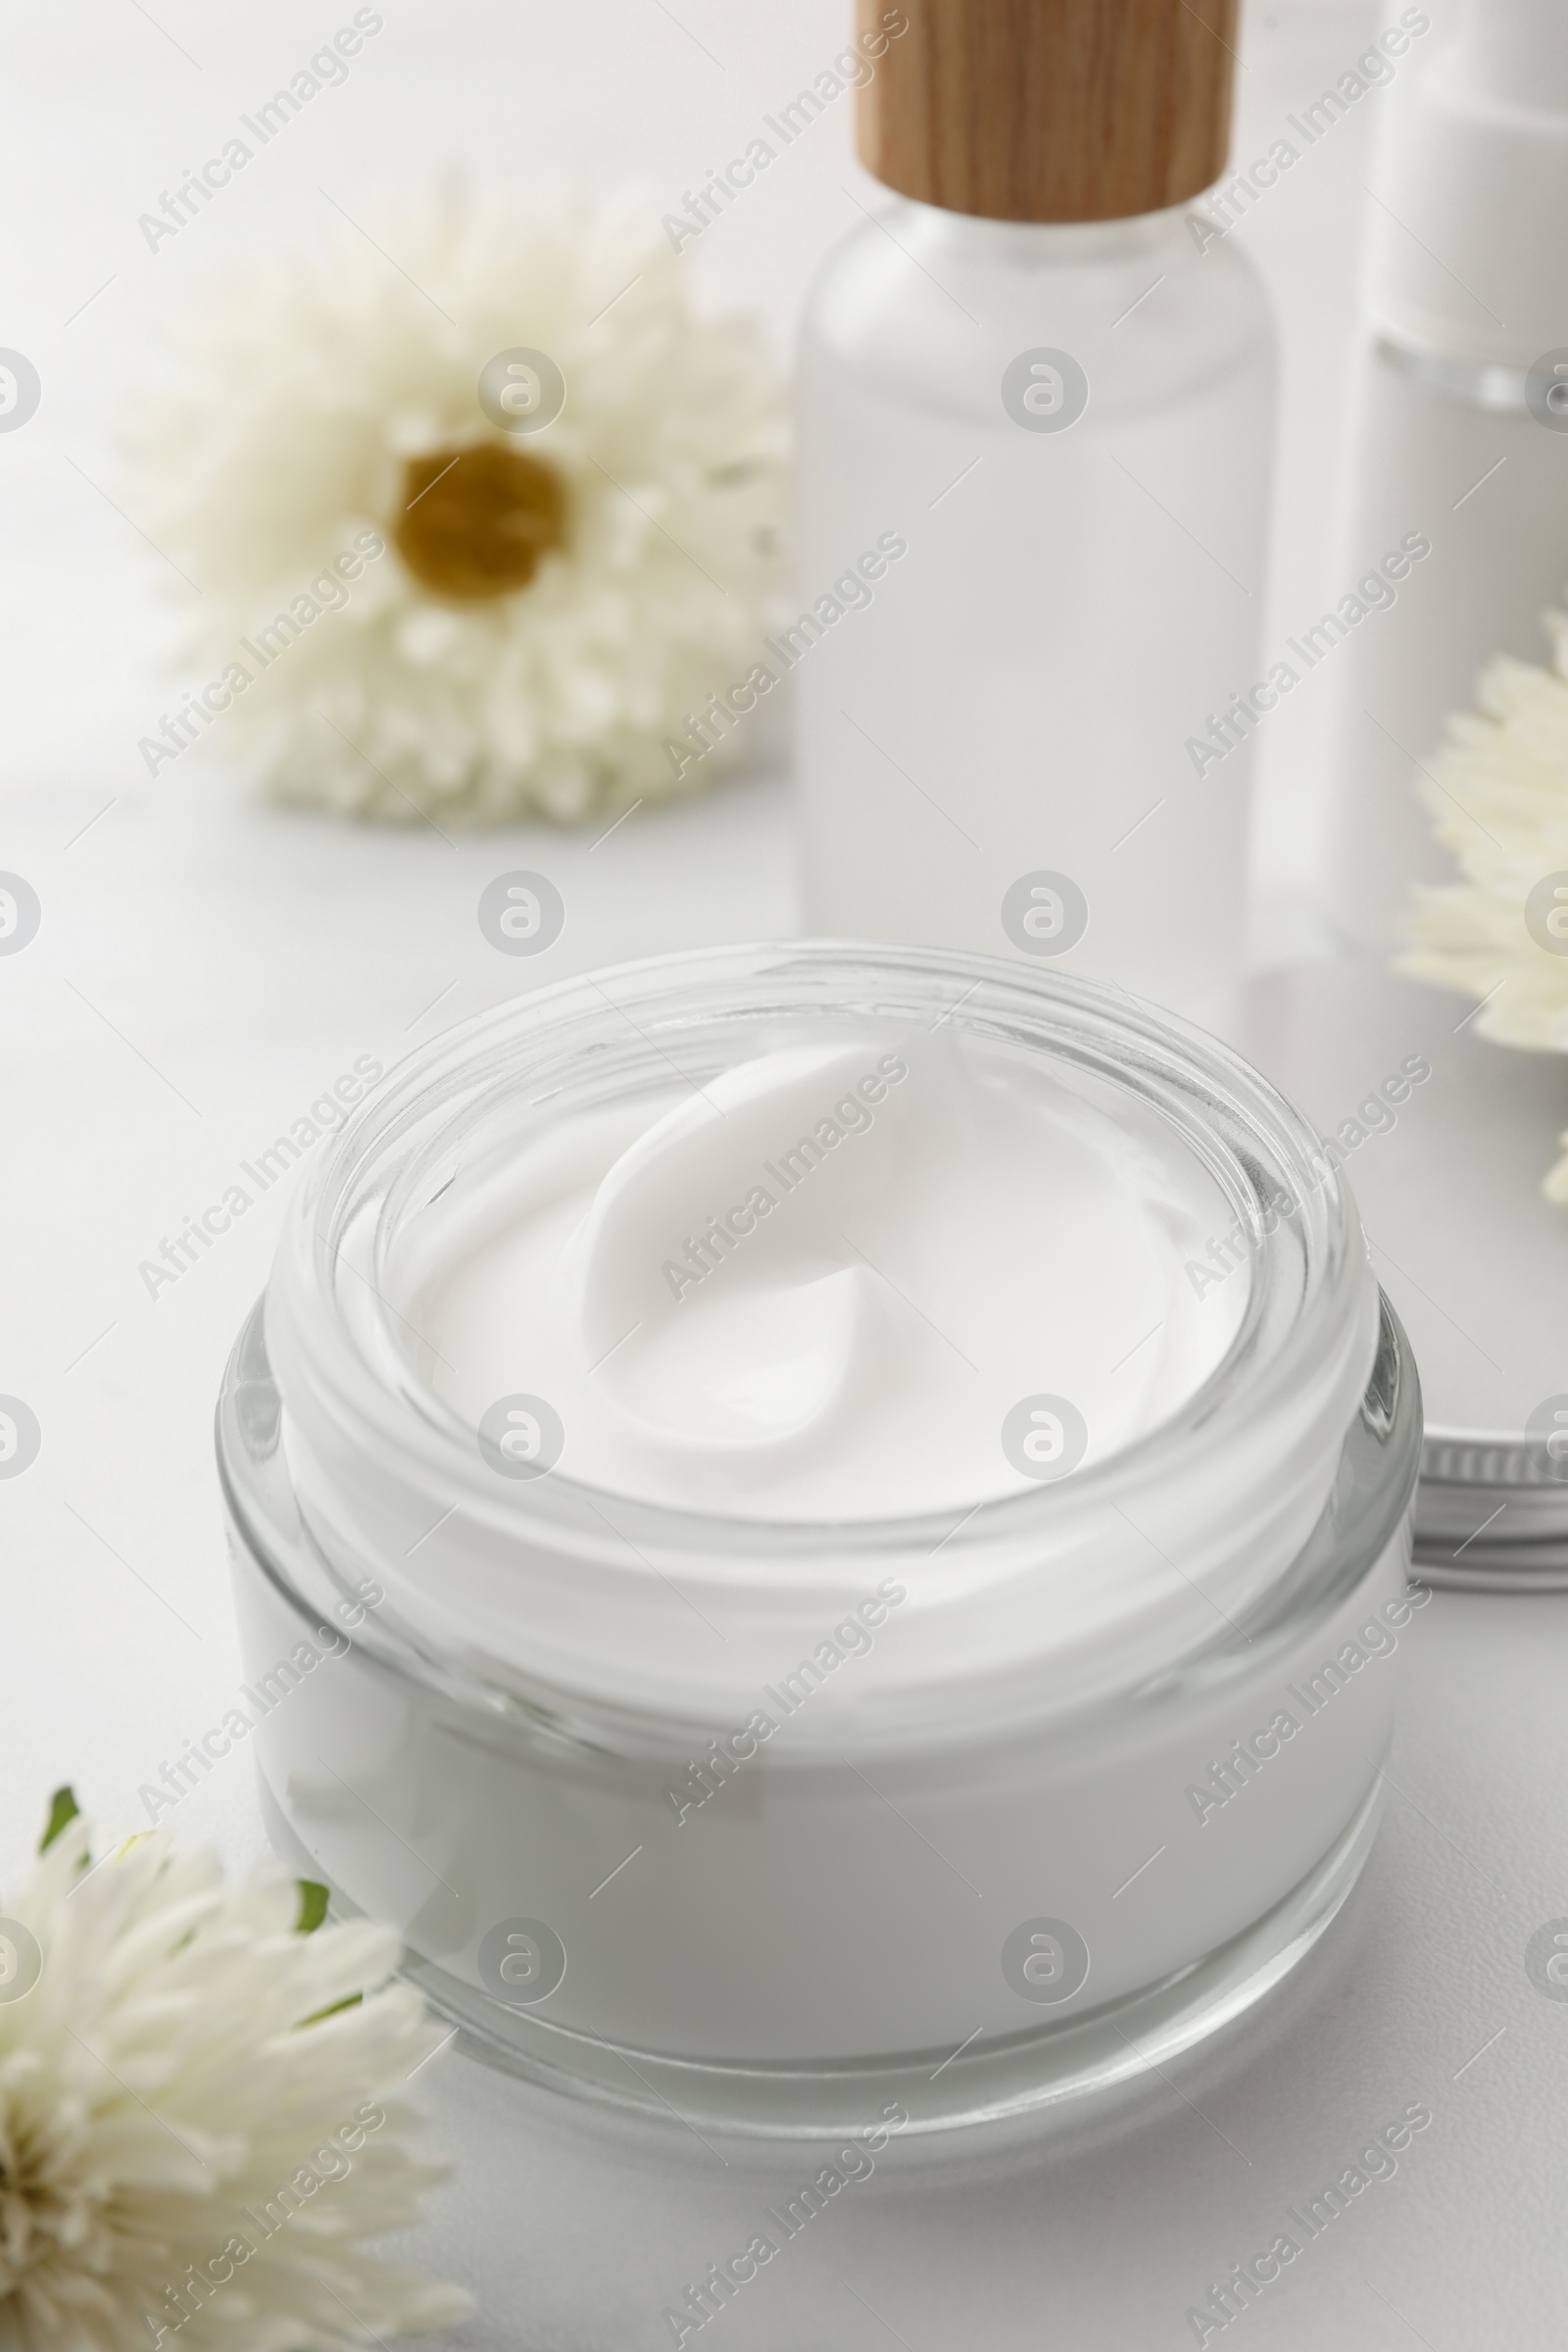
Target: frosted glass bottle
1023,734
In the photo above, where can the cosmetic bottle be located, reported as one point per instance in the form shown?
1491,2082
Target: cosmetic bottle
1036,434
1460,435
1452,541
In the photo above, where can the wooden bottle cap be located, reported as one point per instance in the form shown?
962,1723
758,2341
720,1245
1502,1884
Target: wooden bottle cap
1049,109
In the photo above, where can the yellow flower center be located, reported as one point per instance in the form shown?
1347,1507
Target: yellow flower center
476,522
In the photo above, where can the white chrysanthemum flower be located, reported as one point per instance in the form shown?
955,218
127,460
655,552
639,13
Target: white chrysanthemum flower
553,603
202,2121
1498,799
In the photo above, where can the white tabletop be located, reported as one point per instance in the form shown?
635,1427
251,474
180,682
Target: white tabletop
207,965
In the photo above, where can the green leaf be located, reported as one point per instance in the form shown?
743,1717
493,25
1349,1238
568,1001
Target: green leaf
313,1906
63,1810
350,2001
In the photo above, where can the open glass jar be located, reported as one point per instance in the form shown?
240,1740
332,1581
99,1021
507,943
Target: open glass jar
776,1822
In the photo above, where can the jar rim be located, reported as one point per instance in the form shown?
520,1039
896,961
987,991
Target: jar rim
1281,1397
1106,1013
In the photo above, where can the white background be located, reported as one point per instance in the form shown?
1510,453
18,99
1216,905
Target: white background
207,965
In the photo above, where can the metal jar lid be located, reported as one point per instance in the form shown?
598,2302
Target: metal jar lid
1445,1138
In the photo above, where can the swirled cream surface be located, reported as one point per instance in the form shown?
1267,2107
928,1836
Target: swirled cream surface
836,1281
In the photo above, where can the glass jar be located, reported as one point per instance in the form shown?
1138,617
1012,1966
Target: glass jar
783,1824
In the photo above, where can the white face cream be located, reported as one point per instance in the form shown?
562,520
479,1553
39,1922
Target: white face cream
870,1492
817,1285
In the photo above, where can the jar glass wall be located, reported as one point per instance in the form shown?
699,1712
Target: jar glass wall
763,1818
